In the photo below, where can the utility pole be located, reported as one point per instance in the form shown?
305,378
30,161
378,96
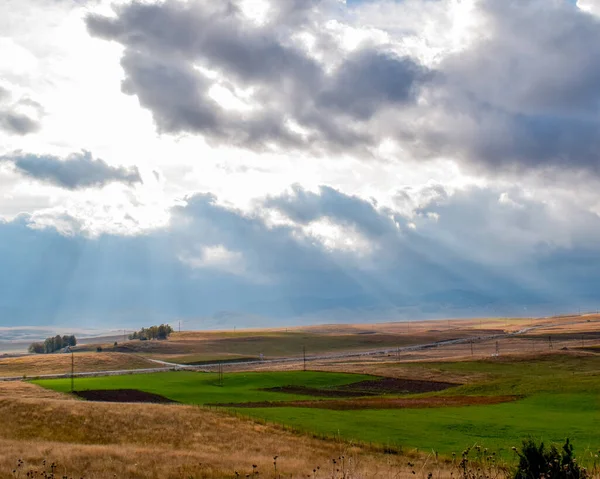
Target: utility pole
304,356
471,347
180,326
497,349
72,372
550,342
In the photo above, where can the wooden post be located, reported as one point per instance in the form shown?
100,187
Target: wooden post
304,356
72,372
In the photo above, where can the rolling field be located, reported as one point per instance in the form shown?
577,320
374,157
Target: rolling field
203,388
546,397
135,441
61,363
560,397
198,347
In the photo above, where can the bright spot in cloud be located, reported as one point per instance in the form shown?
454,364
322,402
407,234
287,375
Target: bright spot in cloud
338,237
216,258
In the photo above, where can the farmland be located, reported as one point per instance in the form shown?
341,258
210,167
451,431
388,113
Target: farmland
101,440
61,363
420,404
547,397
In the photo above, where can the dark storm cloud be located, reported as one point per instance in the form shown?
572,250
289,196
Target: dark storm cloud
77,171
165,43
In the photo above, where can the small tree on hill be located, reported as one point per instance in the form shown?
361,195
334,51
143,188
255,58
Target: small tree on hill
153,332
53,344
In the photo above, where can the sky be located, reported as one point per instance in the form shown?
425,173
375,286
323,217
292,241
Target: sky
279,162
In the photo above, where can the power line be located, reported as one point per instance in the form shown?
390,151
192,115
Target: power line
72,372
304,356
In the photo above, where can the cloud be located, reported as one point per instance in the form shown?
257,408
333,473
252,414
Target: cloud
592,6
77,171
506,103
265,66
497,100
474,251
305,207
20,117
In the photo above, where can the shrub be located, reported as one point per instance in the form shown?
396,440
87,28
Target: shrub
537,461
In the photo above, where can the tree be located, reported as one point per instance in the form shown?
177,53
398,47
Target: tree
51,345
153,332
36,348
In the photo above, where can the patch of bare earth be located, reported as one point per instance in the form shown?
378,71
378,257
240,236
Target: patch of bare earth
374,387
382,403
123,395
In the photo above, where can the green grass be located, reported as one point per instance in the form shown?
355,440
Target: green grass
545,374
202,388
561,398
446,430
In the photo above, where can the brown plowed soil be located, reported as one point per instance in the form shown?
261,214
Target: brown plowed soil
396,386
374,387
122,395
381,403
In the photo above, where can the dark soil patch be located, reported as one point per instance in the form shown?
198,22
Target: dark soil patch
123,395
381,403
396,386
306,391
372,387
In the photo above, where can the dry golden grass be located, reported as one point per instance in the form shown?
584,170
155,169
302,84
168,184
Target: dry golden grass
101,440
394,365
397,327
199,346
571,325
61,363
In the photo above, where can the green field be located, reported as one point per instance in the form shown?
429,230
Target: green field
203,388
561,397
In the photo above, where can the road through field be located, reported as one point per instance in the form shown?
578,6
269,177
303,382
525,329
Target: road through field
168,366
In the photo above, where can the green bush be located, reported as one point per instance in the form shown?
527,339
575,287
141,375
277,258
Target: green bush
538,462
